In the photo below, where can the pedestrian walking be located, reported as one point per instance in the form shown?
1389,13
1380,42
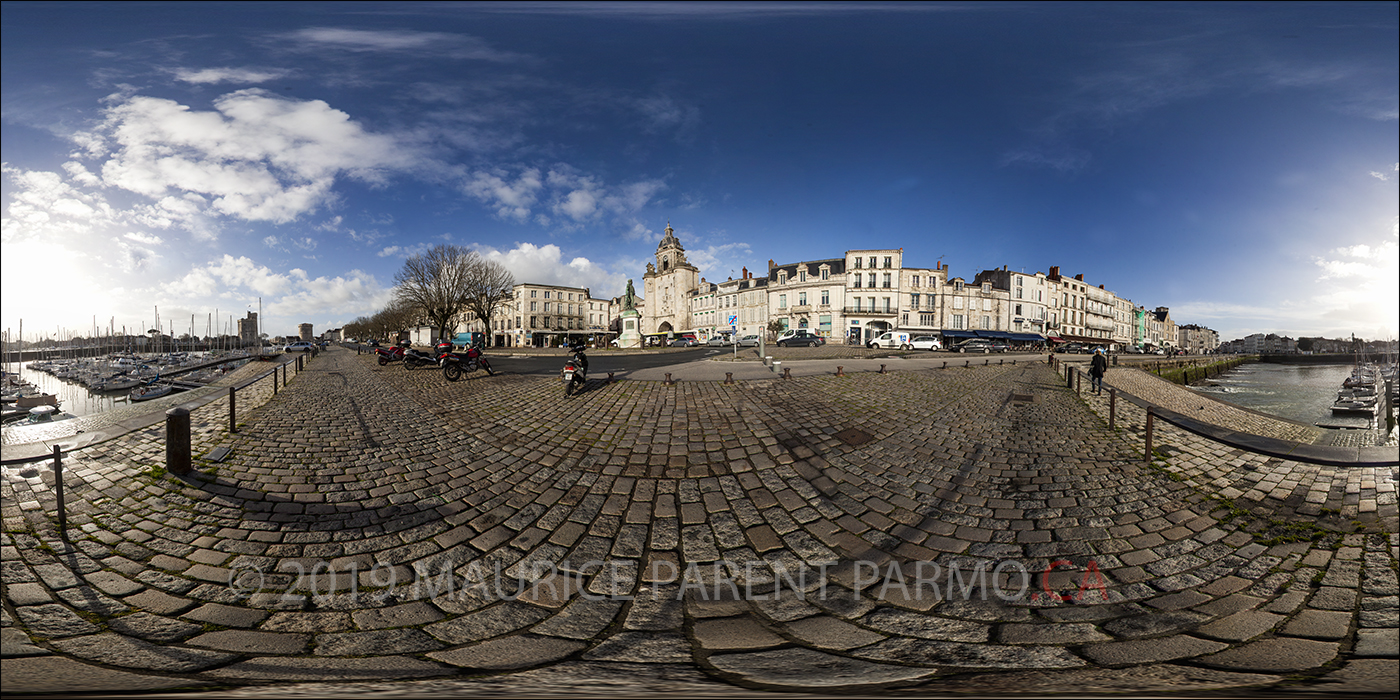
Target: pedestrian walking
1097,367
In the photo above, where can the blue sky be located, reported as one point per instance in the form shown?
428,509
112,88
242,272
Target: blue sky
1236,163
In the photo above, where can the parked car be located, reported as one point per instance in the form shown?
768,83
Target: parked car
799,336
300,346
749,341
720,341
982,345
926,342
1074,348
892,339
685,341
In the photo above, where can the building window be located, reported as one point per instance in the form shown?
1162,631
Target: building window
532,306
826,273
801,275
858,307
887,280
986,321
872,303
887,304
957,302
532,293
1018,309
959,322
913,301
802,299
1019,290
782,278
533,323
888,262
856,280
926,319
826,297
857,263
872,262
915,281
958,286
782,301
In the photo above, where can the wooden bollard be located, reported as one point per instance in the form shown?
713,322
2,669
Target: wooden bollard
839,371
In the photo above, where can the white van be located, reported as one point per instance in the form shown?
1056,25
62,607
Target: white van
892,339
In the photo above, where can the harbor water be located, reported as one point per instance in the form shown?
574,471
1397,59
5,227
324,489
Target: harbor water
1303,393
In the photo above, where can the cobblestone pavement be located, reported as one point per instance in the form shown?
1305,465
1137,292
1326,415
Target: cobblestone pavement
970,530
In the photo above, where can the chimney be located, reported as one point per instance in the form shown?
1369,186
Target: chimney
1100,286
770,263
745,275
1079,277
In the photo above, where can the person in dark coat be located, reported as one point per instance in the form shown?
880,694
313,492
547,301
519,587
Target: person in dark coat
1097,367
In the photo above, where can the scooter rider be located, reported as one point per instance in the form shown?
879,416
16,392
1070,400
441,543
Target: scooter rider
579,357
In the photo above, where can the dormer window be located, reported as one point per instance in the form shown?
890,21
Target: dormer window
802,275
782,278
986,287
826,273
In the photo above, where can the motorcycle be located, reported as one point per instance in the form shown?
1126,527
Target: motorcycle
387,355
413,359
455,364
575,371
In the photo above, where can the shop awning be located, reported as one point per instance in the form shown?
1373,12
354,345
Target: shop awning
959,334
995,335
1028,337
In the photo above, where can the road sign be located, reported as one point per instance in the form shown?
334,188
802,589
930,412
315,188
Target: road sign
733,320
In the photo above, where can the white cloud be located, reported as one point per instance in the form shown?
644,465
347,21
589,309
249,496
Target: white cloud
511,200
208,76
545,265
257,157
143,238
575,197
440,44
41,204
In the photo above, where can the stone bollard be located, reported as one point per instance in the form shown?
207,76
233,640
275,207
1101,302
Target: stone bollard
882,369
839,371
786,374
776,366
177,440
728,377
768,361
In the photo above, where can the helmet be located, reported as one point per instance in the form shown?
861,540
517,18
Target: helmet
1098,351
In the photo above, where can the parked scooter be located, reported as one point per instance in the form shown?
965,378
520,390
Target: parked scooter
387,355
575,371
413,359
456,364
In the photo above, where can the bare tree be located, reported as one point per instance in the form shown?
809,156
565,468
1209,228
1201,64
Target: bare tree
435,285
488,285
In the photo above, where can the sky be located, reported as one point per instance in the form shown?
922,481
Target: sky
1236,163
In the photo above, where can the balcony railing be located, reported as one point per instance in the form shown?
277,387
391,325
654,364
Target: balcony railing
869,311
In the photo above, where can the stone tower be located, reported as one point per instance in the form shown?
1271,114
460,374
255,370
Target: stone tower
669,282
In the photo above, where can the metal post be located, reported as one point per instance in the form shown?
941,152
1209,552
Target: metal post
177,440
1112,409
610,377
882,369
945,364
1147,452
232,411
668,378
58,492
728,377
841,373
786,371
274,380
1078,381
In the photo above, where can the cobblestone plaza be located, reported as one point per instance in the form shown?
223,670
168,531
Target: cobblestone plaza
926,531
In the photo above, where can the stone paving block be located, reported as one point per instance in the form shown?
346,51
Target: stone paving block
1333,598
1150,650
494,621
88,599
226,615
1155,624
375,643
248,642
27,594
1319,624
406,615
509,653
113,584
1178,601
730,633
1383,643
912,624
1063,633
642,647
824,632
804,668
53,620
927,652
117,650
309,669
154,628
15,643
1240,626
1280,655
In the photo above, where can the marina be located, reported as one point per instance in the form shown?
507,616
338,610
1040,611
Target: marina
1338,397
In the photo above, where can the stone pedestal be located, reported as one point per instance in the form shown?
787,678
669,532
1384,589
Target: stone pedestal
631,336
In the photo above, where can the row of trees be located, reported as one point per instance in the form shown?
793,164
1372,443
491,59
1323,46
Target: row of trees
441,288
